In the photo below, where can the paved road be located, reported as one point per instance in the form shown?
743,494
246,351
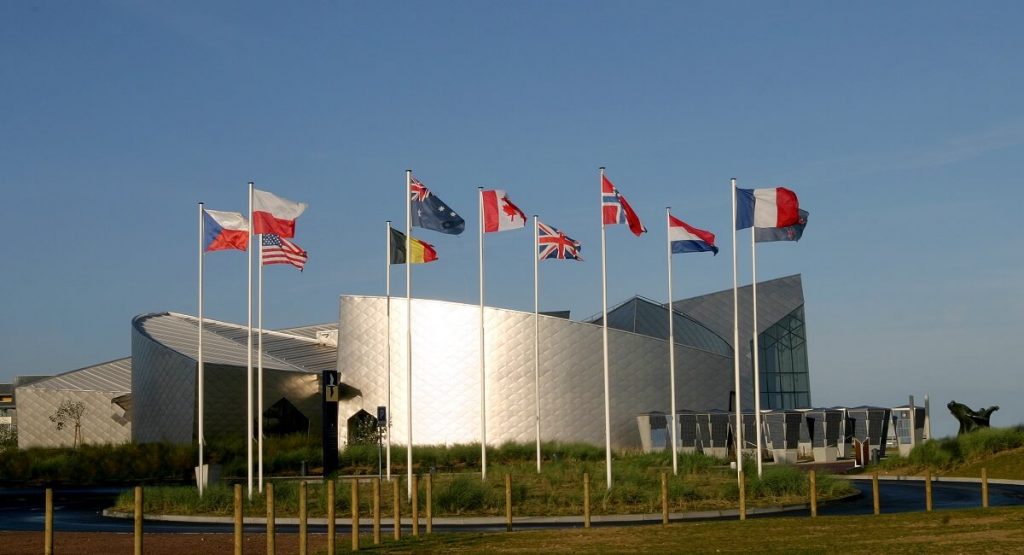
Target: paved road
80,509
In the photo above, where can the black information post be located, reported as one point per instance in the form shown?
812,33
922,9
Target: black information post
329,388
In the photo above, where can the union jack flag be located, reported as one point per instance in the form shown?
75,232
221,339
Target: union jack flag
418,191
552,243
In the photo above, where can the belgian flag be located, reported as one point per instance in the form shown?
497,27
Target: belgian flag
422,252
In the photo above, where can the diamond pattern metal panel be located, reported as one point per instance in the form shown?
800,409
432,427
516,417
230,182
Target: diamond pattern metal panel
102,421
446,383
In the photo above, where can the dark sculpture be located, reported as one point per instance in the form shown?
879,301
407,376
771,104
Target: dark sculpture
970,420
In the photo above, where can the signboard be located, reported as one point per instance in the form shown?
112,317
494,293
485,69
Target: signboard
382,417
331,389
329,405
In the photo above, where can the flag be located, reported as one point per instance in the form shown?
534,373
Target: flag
552,243
686,238
278,250
776,207
429,212
422,252
499,212
616,210
273,214
789,233
224,231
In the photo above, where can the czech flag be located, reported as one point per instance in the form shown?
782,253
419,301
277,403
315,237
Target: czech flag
273,214
686,238
224,231
777,207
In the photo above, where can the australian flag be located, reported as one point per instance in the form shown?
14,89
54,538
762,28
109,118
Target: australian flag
789,233
429,212
552,243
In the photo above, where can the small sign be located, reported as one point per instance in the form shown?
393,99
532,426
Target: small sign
382,417
332,392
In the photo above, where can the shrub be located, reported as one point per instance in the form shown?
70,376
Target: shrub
463,493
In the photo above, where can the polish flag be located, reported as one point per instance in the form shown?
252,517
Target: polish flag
273,214
499,212
224,231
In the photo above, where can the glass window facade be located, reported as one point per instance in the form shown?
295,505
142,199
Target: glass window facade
783,364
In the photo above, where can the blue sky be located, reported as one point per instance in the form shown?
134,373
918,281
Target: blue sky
900,126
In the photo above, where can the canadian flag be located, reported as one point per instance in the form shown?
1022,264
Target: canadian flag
499,212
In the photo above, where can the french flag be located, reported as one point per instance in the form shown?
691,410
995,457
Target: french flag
274,215
224,231
777,207
686,238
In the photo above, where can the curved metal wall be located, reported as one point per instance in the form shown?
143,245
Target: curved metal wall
446,380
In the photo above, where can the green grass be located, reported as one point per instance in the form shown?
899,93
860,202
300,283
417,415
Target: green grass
1000,450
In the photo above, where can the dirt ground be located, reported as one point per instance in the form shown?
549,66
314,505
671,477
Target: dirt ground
75,543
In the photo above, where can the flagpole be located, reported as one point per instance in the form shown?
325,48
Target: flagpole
756,351
248,358
387,422
736,344
259,371
199,357
536,338
671,341
408,332
483,368
604,347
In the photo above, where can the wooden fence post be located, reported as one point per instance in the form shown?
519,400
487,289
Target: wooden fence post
874,493
508,502
743,496
586,500
984,487
376,511
303,520
397,509
48,523
928,490
355,514
331,532
138,520
238,519
415,502
430,503
271,520
664,499
814,493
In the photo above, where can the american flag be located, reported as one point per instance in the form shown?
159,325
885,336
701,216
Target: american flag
552,243
277,250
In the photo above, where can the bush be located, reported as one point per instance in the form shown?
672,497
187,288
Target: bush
463,493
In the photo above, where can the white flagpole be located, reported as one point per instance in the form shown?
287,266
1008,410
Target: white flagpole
259,371
408,333
388,343
248,357
483,368
199,357
604,344
755,352
536,337
671,343
736,343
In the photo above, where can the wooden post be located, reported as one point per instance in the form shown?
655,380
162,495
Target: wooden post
331,532
743,496
303,520
586,500
238,519
355,514
508,502
664,499
138,520
984,487
48,524
814,493
430,503
376,511
928,490
415,502
874,493
397,508
271,520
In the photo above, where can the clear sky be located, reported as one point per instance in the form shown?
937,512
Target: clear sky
900,125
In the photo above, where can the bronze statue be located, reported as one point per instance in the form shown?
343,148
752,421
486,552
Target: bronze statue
970,420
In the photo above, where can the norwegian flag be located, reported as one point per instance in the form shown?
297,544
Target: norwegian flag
616,210
552,243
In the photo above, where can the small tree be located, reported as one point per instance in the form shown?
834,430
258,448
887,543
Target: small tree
70,412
